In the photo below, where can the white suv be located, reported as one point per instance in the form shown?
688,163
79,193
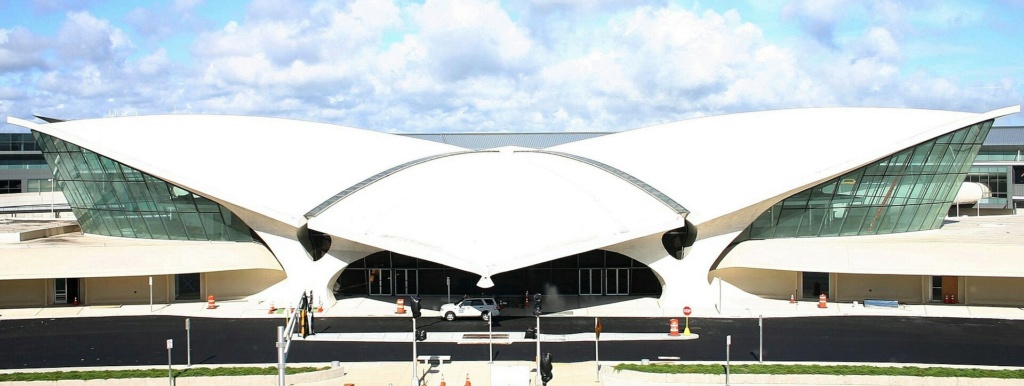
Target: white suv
483,308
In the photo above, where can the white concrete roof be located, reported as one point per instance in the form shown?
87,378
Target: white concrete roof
78,255
964,246
491,212
717,165
278,167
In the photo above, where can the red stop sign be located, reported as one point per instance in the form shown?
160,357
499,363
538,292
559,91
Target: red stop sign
687,310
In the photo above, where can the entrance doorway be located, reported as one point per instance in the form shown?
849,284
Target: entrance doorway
943,286
186,286
65,291
618,281
590,281
815,284
379,281
406,282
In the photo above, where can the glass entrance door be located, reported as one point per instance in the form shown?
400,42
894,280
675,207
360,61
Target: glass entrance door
618,281
406,282
379,281
65,291
590,281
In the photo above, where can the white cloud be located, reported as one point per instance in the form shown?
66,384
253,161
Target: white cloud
479,65
19,51
84,37
465,38
153,64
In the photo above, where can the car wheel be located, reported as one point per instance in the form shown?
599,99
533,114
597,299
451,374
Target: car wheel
449,316
486,316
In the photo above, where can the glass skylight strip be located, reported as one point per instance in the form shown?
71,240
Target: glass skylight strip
658,195
374,178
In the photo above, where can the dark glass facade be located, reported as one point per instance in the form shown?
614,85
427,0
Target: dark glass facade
907,191
595,272
113,199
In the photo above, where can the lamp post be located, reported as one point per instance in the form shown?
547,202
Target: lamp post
490,341
188,341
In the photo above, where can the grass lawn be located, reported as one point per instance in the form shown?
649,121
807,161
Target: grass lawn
152,373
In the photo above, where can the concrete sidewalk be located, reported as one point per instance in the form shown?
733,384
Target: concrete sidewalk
505,373
639,307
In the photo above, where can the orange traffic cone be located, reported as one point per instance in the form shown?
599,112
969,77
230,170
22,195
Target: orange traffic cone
442,380
401,306
272,309
467,380
76,300
320,308
792,299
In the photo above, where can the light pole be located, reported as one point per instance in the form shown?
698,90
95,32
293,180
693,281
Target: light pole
490,341
188,341
282,345
538,348
415,371
760,339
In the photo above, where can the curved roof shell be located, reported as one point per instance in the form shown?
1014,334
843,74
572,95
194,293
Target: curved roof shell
280,168
494,211
718,165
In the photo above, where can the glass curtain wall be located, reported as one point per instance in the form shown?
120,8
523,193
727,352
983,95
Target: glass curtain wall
907,191
995,177
113,199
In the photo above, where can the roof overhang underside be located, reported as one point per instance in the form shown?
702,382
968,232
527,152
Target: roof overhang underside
976,246
84,256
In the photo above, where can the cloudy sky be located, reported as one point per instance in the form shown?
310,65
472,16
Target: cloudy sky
491,66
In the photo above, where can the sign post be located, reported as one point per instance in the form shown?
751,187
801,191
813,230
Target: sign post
728,346
150,294
170,377
687,311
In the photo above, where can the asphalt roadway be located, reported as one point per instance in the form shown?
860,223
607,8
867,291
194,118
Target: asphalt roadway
141,340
